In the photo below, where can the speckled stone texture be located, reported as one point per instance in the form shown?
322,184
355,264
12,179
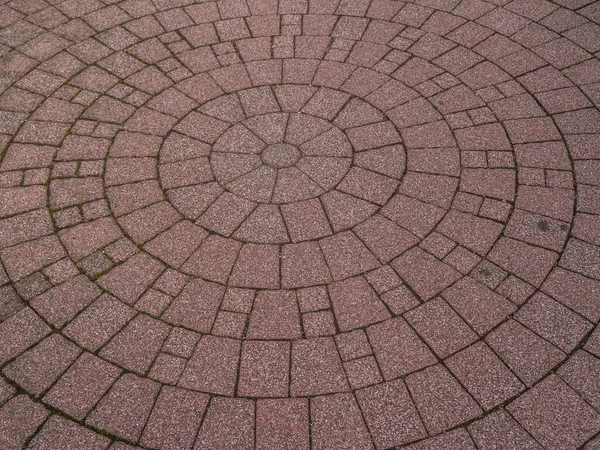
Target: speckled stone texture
299,224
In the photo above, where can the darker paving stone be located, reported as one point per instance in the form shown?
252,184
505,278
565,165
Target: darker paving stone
390,414
229,423
264,369
528,355
19,419
126,407
316,368
484,375
175,419
440,399
355,304
398,350
36,369
555,415
136,346
63,433
275,316
82,386
336,422
128,281
213,367
19,332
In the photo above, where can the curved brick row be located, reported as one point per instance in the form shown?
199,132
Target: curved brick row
299,224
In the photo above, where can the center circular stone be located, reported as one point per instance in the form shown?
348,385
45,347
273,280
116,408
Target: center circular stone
281,155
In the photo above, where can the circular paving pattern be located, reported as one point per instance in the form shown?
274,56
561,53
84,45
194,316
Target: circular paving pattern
299,224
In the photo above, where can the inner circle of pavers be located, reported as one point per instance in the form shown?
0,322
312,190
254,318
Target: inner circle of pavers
281,158
280,155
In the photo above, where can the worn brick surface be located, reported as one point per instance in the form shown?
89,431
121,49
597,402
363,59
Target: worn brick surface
299,224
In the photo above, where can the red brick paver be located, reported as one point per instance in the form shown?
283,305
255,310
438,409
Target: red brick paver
299,224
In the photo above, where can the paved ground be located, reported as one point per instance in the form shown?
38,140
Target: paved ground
318,224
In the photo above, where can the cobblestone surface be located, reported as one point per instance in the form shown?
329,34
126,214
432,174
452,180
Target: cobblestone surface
295,224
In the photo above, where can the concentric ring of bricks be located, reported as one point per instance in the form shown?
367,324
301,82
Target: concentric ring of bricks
391,316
